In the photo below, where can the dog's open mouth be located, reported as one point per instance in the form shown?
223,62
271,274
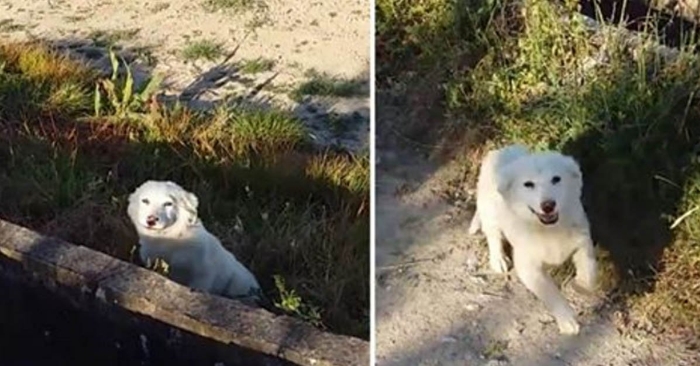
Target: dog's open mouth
546,218
150,226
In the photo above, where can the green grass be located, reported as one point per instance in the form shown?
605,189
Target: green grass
298,218
8,25
321,84
629,120
257,66
158,7
204,49
111,38
237,6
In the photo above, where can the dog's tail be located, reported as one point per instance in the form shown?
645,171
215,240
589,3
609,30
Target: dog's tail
475,225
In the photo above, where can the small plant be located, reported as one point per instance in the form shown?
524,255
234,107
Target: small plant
495,350
158,7
259,131
292,303
204,49
111,38
125,100
7,25
322,84
257,66
236,6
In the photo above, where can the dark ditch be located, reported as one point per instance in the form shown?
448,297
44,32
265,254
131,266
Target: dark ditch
637,15
41,328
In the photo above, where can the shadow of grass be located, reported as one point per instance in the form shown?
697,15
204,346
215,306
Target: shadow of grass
280,206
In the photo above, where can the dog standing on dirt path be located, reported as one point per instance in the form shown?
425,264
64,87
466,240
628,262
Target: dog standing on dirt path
533,200
165,218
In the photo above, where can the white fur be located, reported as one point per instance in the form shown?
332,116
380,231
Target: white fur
175,235
513,183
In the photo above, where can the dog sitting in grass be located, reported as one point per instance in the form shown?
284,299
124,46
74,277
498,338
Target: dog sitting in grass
165,218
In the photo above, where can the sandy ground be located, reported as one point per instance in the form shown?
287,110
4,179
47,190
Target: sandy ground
329,37
438,304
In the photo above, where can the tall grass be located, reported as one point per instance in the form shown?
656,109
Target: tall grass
284,209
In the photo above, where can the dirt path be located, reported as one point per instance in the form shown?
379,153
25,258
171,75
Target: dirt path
273,46
437,304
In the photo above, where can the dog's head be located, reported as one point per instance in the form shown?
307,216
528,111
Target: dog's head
541,187
156,206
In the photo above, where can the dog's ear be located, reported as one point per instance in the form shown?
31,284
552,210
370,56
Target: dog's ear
572,167
504,179
190,203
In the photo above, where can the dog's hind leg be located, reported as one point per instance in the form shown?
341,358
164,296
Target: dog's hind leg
539,283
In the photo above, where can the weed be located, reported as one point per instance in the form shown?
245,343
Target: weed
322,84
35,82
237,6
257,65
495,350
202,50
109,39
73,18
291,303
7,25
126,98
158,7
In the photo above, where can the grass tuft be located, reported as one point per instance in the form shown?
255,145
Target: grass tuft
257,66
202,50
108,39
236,6
321,84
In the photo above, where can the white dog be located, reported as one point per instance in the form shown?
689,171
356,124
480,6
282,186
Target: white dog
533,200
165,217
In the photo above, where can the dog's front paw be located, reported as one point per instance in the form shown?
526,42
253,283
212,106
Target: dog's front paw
498,263
568,326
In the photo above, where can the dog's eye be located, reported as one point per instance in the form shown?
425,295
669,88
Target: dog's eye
529,184
167,204
146,201
556,179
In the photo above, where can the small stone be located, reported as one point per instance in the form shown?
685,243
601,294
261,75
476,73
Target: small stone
472,307
499,362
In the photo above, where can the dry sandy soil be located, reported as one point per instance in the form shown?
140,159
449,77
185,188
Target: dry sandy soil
297,35
438,303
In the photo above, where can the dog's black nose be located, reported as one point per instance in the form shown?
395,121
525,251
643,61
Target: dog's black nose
548,206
